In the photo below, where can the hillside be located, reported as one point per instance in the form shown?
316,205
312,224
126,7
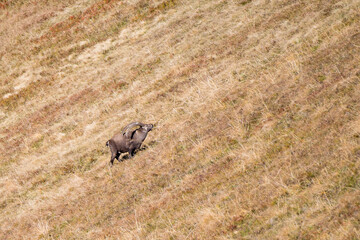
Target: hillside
255,104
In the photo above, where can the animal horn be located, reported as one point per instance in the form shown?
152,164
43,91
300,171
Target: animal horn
127,130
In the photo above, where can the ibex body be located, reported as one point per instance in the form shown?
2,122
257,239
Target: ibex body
128,140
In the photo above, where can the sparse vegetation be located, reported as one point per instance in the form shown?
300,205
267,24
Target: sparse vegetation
256,105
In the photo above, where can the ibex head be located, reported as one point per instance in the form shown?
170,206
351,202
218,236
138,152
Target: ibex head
130,129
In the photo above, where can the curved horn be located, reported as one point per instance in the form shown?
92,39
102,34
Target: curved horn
128,128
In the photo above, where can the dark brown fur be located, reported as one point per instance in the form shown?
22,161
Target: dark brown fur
128,140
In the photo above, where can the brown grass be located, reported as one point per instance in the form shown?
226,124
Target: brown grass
255,106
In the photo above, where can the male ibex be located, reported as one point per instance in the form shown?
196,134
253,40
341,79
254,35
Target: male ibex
128,140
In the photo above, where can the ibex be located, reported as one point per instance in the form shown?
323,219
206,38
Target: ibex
128,140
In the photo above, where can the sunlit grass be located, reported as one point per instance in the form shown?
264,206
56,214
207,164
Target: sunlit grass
255,106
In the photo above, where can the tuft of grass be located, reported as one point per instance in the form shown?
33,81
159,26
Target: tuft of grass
37,143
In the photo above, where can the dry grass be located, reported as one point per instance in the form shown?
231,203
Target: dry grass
256,106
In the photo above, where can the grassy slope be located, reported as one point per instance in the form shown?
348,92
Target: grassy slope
256,106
